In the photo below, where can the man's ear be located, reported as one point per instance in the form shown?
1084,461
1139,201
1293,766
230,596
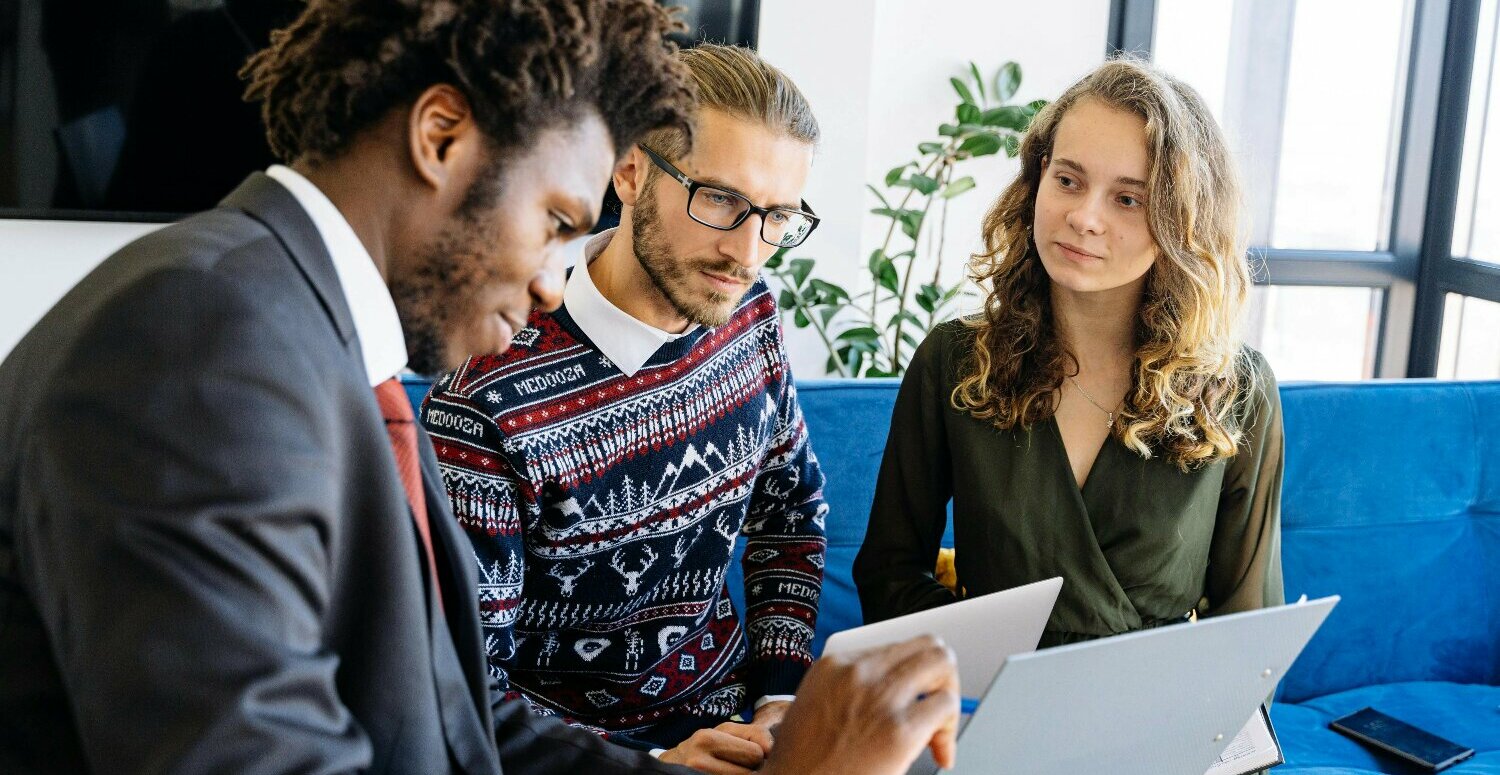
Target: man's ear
443,140
630,175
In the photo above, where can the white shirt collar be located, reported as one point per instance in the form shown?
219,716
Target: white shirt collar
626,341
375,320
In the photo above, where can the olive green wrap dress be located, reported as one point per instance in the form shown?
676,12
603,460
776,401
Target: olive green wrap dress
1140,544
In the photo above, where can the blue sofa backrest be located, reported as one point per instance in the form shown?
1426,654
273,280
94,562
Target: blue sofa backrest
1391,499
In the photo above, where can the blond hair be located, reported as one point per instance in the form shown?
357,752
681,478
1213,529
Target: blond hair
737,81
1190,371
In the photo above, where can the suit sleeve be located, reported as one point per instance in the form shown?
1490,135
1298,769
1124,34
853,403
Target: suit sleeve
177,537
544,744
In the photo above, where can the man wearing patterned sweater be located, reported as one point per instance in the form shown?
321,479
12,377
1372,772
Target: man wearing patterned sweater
605,464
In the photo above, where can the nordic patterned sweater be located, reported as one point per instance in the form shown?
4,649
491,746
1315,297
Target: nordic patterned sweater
603,511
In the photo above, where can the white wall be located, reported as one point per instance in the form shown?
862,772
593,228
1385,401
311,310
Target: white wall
41,260
876,72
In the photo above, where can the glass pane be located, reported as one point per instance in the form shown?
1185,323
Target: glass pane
1343,108
1479,181
1471,339
1315,332
1310,96
1192,43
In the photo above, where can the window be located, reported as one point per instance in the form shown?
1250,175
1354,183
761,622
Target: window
1315,332
1368,137
1309,94
1475,236
1471,339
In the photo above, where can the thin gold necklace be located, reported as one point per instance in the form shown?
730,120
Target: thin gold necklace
1085,393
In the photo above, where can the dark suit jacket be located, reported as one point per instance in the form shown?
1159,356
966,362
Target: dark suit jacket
207,562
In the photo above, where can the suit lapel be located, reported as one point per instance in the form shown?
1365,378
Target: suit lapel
458,645
267,201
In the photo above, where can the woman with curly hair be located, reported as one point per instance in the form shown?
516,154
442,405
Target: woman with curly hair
1099,420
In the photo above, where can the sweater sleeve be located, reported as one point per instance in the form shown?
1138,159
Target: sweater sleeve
784,550
489,497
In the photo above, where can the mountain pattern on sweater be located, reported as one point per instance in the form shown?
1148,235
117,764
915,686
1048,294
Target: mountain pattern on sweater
603,510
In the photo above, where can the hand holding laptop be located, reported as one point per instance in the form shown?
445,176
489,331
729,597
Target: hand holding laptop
874,711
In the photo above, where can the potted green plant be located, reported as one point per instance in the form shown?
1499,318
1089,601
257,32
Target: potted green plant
874,333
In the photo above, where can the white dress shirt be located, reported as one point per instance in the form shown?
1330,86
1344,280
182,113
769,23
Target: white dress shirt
626,341
375,320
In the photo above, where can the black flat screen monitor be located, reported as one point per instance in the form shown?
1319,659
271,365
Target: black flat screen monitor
132,109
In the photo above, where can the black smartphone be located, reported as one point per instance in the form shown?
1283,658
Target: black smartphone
1372,727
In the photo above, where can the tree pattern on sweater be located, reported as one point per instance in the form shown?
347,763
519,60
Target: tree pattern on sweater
604,509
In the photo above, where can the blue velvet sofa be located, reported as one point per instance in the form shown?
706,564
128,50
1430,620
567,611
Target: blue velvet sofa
1391,499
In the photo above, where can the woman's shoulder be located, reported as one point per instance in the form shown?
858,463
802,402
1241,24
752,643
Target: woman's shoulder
944,346
1258,388
1253,370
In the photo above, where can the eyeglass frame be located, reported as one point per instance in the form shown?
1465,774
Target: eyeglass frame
692,187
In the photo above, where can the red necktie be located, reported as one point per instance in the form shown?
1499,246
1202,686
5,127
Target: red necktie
401,425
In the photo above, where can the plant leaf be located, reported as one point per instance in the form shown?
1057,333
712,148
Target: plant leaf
924,184
926,148
927,297
887,278
787,300
895,174
775,260
828,292
948,130
1012,145
981,145
877,194
1007,116
911,223
860,334
800,319
963,91
978,80
904,315
958,187
1007,81
800,269
968,114
856,360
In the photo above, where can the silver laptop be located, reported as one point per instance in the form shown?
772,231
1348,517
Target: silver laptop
982,631
1165,701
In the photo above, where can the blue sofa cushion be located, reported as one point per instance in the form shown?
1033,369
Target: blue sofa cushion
1467,714
1392,500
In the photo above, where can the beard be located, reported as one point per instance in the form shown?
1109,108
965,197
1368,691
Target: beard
674,276
440,290
423,300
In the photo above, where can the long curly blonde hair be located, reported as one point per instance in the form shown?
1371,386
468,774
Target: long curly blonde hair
1190,371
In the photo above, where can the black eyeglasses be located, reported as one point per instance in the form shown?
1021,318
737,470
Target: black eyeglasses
724,210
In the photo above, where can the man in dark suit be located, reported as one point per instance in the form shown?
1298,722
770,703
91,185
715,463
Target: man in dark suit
224,545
